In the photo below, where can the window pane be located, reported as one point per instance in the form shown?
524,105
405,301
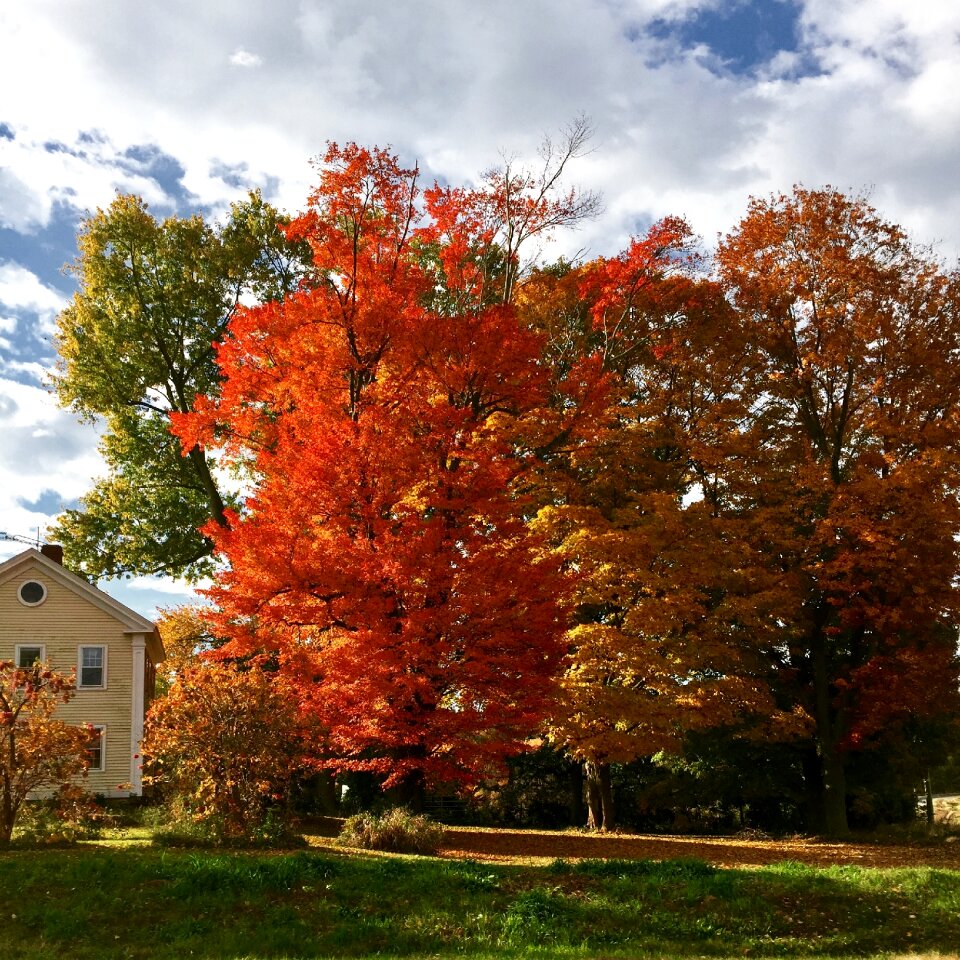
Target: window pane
95,750
91,666
28,656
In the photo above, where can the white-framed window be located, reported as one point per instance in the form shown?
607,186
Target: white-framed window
91,667
31,593
97,750
27,654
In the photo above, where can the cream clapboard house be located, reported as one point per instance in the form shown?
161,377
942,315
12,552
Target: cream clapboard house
49,613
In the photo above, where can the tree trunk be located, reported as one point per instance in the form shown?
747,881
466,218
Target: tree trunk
323,788
813,791
594,804
205,475
833,773
928,791
6,821
834,792
410,792
599,796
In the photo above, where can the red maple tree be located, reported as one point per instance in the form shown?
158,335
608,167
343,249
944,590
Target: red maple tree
383,559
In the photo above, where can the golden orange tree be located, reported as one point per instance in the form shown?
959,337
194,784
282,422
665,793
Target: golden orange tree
765,530
669,632
225,743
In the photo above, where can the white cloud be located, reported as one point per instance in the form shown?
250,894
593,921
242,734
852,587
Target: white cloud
243,58
179,588
450,83
45,456
22,289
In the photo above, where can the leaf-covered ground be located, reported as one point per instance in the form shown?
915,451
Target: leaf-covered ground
535,846
541,847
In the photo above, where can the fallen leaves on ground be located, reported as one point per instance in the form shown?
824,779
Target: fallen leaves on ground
532,846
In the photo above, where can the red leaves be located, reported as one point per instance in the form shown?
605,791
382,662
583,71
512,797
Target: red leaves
383,559
748,474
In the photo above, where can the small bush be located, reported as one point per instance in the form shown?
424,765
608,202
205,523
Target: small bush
67,816
397,831
174,825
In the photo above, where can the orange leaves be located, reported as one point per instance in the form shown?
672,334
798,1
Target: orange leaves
228,741
36,751
382,558
767,524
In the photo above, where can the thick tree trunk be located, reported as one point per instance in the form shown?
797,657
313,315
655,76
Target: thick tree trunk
323,788
410,793
814,818
599,796
205,475
834,793
828,726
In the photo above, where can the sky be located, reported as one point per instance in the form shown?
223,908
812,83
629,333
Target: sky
696,106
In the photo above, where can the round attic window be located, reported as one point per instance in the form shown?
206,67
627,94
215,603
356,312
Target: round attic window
32,593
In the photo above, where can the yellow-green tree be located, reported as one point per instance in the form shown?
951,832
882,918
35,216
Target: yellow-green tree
137,343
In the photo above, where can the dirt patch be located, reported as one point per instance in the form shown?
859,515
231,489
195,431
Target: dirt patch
543,846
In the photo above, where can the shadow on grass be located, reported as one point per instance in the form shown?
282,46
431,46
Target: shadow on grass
106,903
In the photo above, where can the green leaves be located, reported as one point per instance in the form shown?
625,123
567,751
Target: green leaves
137,343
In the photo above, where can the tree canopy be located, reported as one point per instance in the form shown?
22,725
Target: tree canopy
635,504
380,412
137,344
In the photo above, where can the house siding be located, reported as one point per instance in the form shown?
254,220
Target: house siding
64,622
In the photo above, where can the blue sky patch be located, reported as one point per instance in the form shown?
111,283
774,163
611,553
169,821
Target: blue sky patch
6,131
45,251
49,502
149,160
745,35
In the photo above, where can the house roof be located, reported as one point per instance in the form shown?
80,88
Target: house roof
132,621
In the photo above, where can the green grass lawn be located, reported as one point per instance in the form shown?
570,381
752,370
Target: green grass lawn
102,902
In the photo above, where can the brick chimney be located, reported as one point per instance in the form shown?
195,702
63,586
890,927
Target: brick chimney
54,551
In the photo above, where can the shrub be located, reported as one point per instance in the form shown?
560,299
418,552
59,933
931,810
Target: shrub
224,743
37,752
397,831
68,816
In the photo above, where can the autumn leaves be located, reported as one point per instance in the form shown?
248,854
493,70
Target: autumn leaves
612,502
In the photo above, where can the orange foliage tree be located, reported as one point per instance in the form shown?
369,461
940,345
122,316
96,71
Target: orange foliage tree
186,638
36,751
661,644
840,466
226,741
383,560
765,530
